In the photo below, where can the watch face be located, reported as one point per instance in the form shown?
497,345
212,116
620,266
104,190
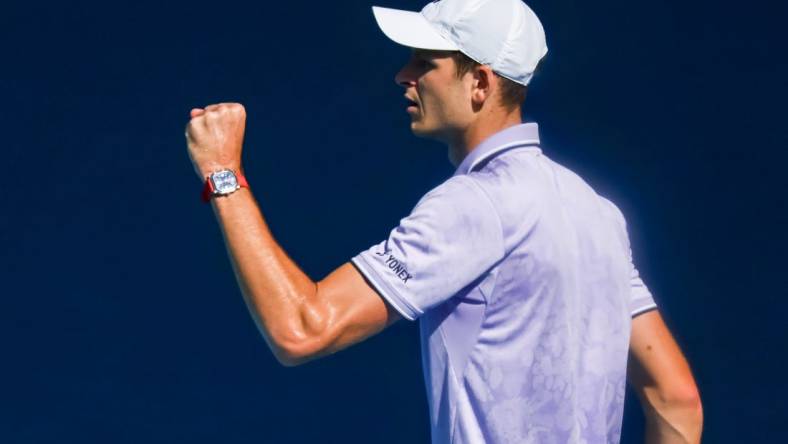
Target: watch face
224,182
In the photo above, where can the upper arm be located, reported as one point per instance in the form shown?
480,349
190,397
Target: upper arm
663,381
344,310
657,368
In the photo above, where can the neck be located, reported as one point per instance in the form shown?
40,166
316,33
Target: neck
477,132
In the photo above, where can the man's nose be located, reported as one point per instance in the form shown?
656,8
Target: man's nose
405,76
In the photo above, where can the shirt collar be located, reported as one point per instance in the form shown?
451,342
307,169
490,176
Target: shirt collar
524,134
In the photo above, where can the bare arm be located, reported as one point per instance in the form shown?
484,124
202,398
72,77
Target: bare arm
662,379
300,319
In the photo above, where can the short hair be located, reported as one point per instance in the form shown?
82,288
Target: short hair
512,93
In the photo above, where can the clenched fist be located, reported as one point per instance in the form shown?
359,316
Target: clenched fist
215,138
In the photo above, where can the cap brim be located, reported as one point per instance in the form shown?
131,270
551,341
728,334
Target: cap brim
411,29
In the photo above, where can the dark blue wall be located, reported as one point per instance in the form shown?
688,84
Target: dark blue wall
121,321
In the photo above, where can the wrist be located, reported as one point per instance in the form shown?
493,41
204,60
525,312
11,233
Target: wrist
228,200
223,182
206,171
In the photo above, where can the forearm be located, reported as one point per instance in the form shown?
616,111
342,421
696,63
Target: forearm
278,294
299,318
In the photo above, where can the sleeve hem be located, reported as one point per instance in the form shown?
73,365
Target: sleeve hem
407,310
643,310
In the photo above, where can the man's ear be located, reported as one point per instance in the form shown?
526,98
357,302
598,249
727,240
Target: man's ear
482,85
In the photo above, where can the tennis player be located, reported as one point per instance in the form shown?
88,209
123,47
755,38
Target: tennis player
520,275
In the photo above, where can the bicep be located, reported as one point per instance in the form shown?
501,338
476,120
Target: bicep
347,310
655,361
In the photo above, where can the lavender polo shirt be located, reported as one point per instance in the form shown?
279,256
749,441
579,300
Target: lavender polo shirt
522,279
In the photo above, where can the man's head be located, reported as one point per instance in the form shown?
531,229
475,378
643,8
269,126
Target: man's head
448,91
472,59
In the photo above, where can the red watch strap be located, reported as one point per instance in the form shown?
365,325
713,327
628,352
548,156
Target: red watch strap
207,190
241,180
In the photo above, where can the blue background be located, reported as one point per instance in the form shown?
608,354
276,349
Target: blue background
121,321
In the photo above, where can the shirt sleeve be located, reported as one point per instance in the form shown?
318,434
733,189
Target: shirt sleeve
640,298
451,237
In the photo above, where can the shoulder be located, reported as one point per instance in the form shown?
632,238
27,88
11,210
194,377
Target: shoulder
460,193
614,211
460,203
515,182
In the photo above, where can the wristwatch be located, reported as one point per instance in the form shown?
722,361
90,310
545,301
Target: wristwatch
222,183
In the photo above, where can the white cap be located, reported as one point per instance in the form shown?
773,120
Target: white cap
504,34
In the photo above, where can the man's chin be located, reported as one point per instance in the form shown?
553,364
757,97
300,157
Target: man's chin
419,130
424,132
